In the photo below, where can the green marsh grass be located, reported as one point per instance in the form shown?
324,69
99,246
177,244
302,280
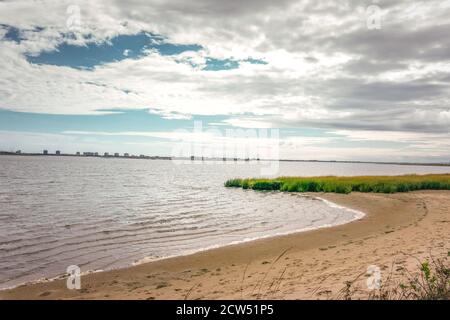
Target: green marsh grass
379,184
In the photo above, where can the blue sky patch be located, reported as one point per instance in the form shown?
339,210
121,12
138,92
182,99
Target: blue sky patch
15,34
116,49
109,131
255,61
12,33
213,64
113,120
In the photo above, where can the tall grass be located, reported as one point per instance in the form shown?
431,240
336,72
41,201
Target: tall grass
381,184
431,282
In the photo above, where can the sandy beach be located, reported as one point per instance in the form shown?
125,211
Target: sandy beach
397,229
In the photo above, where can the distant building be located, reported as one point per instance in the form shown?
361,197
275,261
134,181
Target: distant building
45,152
126,155
96,154
116,154
192,158
58,152
88,154
106,154
142,156
19,151
78,153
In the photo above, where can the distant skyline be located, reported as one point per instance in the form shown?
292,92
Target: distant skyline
366,80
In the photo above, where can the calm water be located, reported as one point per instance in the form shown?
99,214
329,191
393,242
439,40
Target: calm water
107,213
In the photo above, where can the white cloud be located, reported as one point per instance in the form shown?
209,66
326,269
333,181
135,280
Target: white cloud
324,67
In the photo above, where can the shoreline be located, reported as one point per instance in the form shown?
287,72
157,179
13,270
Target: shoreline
296,262
145,157
357,215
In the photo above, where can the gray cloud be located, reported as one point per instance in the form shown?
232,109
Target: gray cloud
325,67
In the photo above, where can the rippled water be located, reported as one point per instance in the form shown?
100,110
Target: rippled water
106,213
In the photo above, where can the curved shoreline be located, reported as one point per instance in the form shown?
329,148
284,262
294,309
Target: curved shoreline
232,271
357,215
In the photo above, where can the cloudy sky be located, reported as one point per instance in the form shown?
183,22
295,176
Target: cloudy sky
355,80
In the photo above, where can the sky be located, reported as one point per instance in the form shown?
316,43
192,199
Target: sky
326,80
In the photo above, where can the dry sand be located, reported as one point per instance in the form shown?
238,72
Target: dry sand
308,265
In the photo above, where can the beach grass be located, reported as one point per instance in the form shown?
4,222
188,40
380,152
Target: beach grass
380,184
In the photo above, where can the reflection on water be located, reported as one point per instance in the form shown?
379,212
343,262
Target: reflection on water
106,213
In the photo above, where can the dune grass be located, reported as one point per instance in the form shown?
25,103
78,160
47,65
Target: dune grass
430,282
381,184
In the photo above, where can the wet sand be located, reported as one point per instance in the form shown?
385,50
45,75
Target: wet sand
397,229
